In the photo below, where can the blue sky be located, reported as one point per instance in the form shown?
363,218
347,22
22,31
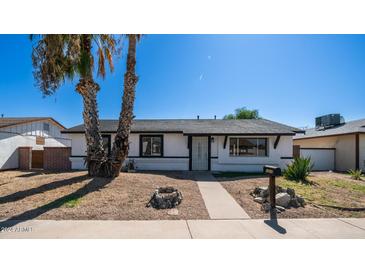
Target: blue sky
288,78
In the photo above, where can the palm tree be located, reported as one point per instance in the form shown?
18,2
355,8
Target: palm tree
121,142
60,57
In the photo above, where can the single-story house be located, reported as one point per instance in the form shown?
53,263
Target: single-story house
340,146
34,133
196,144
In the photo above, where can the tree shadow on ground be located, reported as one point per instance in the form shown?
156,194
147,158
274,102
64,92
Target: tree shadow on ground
94,185
41,189
37,172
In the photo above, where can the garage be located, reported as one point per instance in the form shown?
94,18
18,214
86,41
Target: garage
324,159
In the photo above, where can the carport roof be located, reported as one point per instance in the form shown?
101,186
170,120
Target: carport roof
198,127
356,126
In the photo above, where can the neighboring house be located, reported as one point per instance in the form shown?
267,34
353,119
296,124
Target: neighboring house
218,145
339,146
33,132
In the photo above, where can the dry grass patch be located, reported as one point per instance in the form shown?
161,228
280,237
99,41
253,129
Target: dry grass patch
73,195
326,189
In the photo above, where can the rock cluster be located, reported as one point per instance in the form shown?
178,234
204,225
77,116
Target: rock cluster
165,197
285,198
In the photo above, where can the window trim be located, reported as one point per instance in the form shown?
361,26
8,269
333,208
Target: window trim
141,146
248,156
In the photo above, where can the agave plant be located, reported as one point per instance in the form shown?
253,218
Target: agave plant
299,169
355,174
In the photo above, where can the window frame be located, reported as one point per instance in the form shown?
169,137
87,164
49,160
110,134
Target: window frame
141,136
257,141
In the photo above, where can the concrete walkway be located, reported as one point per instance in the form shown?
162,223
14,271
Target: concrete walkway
219,203
190,229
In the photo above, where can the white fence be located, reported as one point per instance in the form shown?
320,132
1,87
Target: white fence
322,158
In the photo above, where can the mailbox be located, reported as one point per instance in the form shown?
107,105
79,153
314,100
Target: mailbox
272,170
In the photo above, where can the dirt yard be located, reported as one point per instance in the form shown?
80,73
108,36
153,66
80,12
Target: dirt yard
327,189
72,195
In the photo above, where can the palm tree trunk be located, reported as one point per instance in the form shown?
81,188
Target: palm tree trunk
88,90
95,150
121,141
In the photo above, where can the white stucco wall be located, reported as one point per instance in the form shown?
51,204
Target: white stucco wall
253,164
344,145
25,135
176,145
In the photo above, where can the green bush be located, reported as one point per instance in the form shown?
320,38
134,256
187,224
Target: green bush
355,174
298,170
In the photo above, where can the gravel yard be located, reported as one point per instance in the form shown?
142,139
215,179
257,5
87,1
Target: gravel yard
72,195
327,189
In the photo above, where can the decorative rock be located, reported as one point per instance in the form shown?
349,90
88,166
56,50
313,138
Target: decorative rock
280,208
291,192
285,198
282,199
261,191
279,189
301,201
259,200
165,197
294,202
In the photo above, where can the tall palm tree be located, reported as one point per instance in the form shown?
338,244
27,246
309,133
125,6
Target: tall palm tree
121,142
60,57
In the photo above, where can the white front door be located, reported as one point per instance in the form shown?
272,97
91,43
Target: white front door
199,153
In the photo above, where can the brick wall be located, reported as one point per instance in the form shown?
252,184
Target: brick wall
25,158
57,158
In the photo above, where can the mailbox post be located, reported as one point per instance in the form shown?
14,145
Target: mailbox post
272,171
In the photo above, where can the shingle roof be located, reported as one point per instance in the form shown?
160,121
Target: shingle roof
347,128
12,121
194,126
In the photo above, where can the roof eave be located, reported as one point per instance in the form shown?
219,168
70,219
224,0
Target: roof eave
328,135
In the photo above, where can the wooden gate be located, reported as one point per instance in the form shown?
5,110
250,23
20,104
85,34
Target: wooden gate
57,158
296,151
37,158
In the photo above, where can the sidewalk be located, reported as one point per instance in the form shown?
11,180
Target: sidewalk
219,203
190,229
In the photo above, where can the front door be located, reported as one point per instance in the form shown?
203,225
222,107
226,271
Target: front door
199,153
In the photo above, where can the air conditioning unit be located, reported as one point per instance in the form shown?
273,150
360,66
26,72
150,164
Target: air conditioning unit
328,121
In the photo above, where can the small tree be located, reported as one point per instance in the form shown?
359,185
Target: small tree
243,113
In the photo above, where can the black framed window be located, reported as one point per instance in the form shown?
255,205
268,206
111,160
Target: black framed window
151,145
248,147
107,143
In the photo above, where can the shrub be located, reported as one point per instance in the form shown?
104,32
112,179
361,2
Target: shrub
355,174
299,169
